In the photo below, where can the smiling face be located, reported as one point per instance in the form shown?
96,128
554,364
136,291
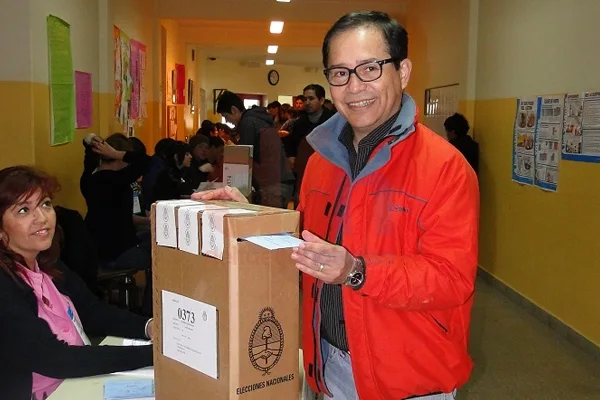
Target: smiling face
366,105
28,226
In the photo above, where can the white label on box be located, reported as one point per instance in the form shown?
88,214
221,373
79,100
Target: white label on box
237,176
274,242
165,229
213,240
187,221
190,332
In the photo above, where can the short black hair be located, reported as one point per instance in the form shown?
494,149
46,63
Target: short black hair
327,101
318,89
179,149
274,104
137,145
162,146
227,100
394,33
458,124
300,97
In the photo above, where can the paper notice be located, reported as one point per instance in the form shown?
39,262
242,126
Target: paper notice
136,342
190,331
237,176
188,233
213,239
274,242
166,231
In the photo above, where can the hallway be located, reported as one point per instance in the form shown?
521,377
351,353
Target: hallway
517,357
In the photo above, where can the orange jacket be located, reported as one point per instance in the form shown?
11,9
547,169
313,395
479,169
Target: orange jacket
413,215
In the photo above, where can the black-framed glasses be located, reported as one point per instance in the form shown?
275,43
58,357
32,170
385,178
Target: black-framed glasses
366,72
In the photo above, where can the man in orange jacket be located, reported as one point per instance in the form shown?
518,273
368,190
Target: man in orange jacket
390,242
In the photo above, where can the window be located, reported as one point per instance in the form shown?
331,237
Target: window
286,99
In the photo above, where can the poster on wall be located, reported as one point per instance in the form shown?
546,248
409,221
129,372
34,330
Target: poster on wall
61,79
548,142
83,99
523,140
581,131
129,81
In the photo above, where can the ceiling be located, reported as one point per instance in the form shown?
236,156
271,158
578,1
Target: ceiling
298,56
296,10
239,29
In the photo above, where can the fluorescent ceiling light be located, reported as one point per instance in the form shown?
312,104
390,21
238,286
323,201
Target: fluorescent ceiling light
276,27
272,49
284,1
270,62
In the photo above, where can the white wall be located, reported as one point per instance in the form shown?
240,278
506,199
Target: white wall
15,36
82,15
224,74
438,44
537,47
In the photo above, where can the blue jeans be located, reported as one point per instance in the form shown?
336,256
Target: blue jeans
339,378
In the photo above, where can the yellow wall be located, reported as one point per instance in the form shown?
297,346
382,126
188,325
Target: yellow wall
24,106
541,244
225,74
544,245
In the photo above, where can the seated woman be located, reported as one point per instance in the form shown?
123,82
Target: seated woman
141,219
110,167
46,310
171,183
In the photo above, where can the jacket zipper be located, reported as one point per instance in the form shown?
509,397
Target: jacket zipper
438,323
317,296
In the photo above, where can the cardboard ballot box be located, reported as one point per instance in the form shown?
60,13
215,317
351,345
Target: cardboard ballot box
237,167
225,301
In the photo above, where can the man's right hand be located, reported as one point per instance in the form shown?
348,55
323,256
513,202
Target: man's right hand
224,193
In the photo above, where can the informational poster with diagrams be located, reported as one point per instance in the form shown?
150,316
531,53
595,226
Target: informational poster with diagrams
548,142
581,136
523,140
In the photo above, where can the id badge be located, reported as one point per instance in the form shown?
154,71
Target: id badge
137,208
78,327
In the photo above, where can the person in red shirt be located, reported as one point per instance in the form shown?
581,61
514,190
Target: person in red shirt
390,226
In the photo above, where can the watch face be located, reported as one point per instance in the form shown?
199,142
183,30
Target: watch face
356,279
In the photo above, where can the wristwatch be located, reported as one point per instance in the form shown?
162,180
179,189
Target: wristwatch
356,277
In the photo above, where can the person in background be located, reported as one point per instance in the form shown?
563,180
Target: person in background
329,104
170,183
271,174
298,149
157,163
140,219
457,131
47,312
287,117
207,128
299,103
273,110
200,165
225,133
390,214
110,167
215,156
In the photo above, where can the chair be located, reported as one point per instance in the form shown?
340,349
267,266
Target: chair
122,283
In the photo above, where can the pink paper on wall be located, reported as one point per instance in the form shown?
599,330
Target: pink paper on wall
83,99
